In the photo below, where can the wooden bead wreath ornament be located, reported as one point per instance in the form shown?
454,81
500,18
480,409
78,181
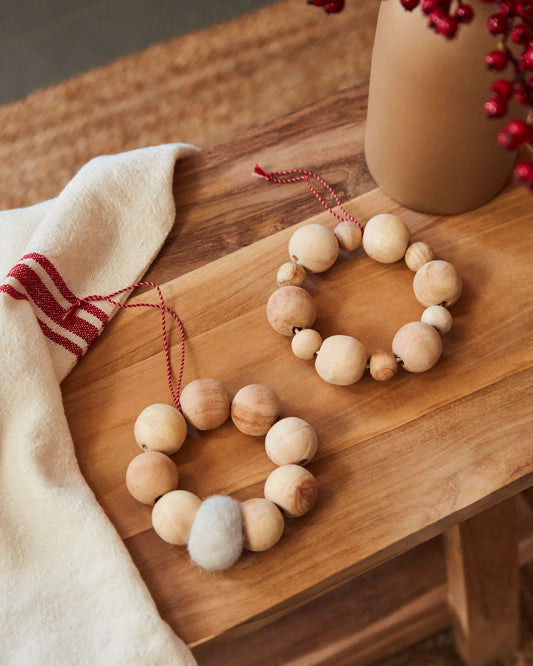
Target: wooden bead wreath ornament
342,359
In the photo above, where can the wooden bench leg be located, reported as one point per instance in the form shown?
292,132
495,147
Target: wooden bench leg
483,584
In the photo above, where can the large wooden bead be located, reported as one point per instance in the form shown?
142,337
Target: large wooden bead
418,345
417,255
341,360
291,440
151,475
205,403
315,247
438,317
255,408
306,343
290,274
383,365
263,524
437,283
385,238
348,235
293,488
160,427
289,308
173,516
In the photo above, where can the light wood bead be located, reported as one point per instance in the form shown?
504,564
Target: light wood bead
385,238
417,255
263,524
290,274
293,489
151,475
255,408
291,440
314,247
306,343
437,283
348,235
289,308
205,403
341,360
438,317
173,516
383,365
418,345
160,427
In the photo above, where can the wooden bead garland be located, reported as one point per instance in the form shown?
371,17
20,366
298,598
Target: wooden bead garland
217,530
342,359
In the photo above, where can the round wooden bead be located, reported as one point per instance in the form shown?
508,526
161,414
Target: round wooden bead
341,360
255,408
418,345
385,238
348,235
383,365
417,255
151,475
438,317
437,283
263,524
293,489
306,343
173,516
289,308
160,427
291,440
290,274
216,539
205,403
315,247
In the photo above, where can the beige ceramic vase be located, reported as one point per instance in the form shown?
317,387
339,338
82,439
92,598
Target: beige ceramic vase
428,143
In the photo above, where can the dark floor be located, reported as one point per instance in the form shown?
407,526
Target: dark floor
46,41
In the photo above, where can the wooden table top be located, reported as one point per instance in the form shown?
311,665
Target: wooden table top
398,462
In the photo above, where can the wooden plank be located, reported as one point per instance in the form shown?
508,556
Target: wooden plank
483,584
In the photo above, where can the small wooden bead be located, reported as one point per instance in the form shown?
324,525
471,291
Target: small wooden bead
438,317
418,345
293,489
151,475
255,408
290,274
160,427
341,360
315,247
289,308
306,343
173,516
348,235
263,524
417,255
383,365
437,283
291,440
385,238
205,403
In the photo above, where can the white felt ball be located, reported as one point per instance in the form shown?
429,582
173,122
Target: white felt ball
216,539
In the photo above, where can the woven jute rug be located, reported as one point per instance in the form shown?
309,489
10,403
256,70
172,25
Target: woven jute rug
204,88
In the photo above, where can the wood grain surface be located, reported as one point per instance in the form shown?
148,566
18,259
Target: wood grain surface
398,462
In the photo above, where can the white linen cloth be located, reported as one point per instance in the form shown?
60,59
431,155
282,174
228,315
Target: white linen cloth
69,591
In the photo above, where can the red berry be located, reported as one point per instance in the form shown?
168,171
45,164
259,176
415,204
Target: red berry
495,107
523,172
515,133
409,4
526,60
525,9
497,24
464,13
428,6
524,94
334,6
317,3
507,7
502,88
497,60
521,33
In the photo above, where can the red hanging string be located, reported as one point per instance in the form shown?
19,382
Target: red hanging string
297,175
174,391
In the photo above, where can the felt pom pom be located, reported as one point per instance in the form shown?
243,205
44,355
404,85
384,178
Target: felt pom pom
216,538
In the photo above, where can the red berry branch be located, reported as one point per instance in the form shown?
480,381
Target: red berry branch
512,26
